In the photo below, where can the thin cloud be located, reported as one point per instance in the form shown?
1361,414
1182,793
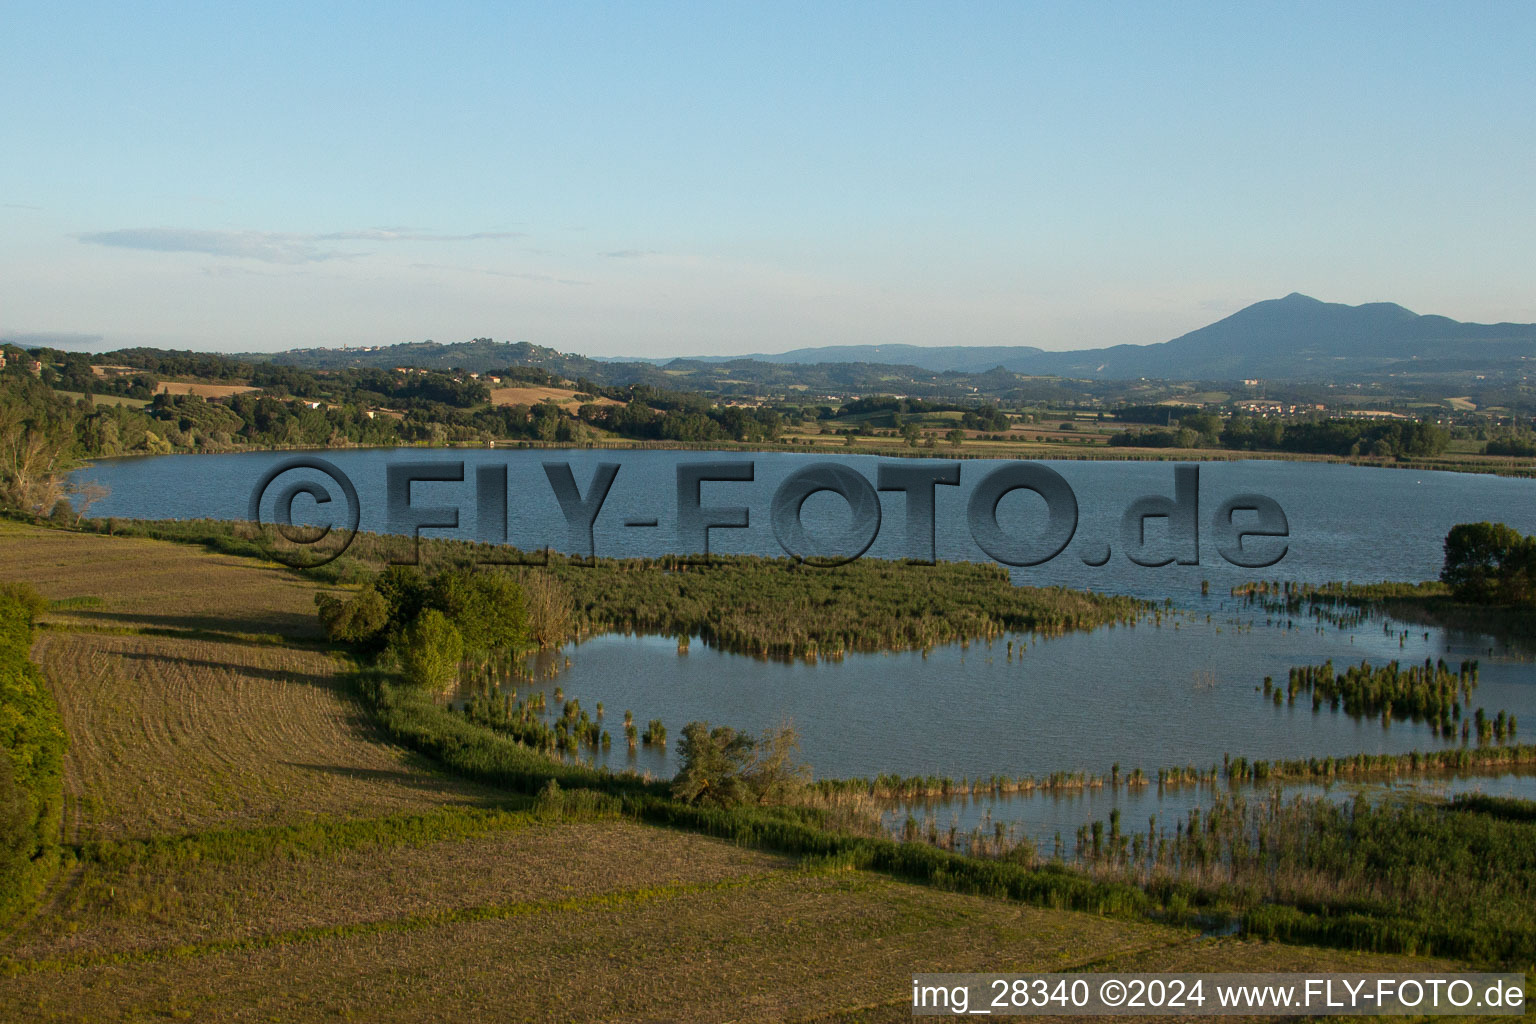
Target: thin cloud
269,246
629,254
19,206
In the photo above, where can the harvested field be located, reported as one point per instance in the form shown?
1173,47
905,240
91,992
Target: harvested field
177,387
170,735
117,583
184,707
169,898
780,945
533,396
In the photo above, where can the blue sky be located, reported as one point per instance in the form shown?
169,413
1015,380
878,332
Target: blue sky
672,179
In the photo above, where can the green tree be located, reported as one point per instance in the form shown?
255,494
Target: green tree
1490,562
404,590
362,620
429,651
714,762
487,608
723,767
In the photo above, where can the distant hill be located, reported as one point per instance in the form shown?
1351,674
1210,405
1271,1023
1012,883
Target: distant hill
1297,338
477,356
964,358
1300,338
1294,338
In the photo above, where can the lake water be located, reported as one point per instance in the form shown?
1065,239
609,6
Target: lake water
1345,522
1185,693
1147,696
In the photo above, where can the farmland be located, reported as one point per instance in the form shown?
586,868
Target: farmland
565,397
243,842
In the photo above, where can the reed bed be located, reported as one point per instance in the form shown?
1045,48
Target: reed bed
1451,879
1433,692
765,607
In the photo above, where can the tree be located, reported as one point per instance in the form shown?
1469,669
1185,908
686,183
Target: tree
773,776
404,590
714,763
723,767
429,651
547,604
487,608
1489,562
89,494
956,437
361,620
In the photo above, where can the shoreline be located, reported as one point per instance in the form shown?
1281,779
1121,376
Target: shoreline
1510,468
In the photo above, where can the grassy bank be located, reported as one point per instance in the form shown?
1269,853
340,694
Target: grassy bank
1302,872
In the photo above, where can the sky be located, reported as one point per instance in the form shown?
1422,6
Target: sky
661,179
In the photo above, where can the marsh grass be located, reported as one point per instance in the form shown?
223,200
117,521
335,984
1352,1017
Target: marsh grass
766,607
1447,878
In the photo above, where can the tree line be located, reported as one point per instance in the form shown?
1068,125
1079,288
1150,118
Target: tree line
1342,437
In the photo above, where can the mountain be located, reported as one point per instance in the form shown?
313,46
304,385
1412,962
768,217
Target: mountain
1294,338
1301,338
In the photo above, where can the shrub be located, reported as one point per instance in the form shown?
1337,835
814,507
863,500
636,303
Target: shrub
32,604
723,768
714,763
486,607
31,759
358,621
429,651
547,603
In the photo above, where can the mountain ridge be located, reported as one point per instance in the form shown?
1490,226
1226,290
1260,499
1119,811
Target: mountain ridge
1296,337
1293,337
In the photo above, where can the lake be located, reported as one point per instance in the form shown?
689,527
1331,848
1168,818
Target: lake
1345,522
1147,696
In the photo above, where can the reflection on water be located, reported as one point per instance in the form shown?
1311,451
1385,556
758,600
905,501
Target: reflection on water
1180,689
1048,818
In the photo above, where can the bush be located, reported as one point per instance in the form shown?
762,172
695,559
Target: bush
31,758
429,651
714,763
487,608
723,768
358,621
547,602
32,604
